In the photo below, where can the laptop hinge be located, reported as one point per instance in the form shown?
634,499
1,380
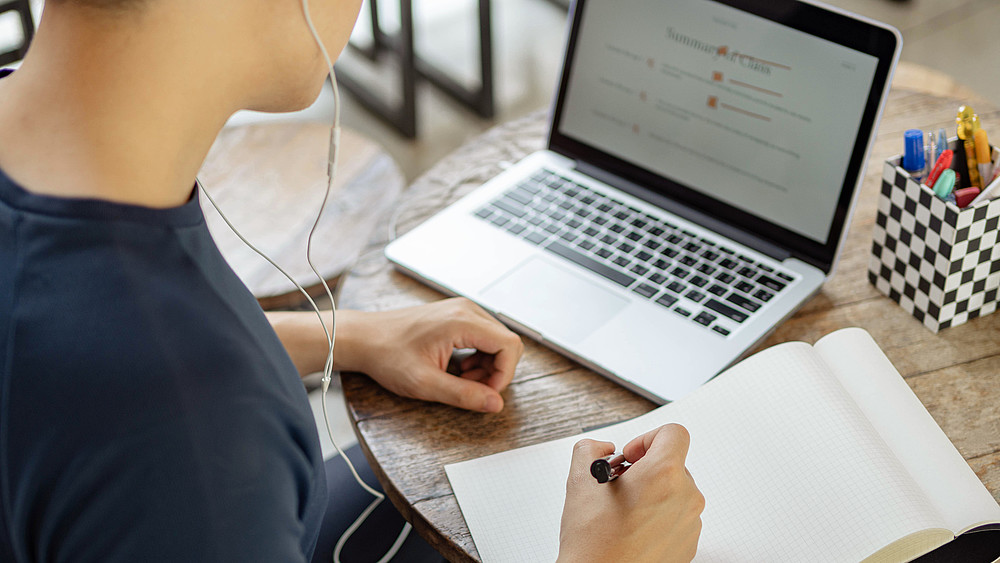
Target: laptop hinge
739,235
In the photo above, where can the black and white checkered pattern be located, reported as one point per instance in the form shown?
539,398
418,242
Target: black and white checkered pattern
939,262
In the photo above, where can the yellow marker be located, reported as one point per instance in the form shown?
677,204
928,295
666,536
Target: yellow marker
968,122
983,157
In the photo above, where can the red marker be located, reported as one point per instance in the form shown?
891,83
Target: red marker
942,164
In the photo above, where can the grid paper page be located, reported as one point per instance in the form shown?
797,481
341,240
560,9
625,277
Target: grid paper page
790,469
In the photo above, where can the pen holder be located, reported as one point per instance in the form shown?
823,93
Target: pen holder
939,262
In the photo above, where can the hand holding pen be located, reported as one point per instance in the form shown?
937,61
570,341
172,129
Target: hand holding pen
651,513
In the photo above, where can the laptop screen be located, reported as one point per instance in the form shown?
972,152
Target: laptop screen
757,113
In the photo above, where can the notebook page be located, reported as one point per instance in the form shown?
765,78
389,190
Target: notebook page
909,429
789,468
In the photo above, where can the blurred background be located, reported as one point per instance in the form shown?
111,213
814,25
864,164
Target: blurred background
960,38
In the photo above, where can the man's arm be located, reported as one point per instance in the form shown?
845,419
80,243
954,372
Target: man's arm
407,350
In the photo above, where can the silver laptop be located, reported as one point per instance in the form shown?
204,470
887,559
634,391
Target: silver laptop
703,160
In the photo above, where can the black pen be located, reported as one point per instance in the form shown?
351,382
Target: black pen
607,469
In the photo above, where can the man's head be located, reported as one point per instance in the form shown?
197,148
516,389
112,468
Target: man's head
259,50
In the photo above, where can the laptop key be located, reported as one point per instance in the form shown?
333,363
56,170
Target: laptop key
770,283
639,269
510,207
698,281
645,290
721,330
643,256
717,289
745,287
585,244
785,276
522,197
682,312
695,295
621,261
676,287
729,264
535,237
680,272
662,264
483,213
590,264
747,272
725,277
764,295
658,279
667,300
704,318
726,310
626,248
516,228
747,304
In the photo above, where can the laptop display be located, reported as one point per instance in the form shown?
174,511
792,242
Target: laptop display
728,103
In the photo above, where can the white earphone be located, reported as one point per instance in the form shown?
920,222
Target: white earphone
331,331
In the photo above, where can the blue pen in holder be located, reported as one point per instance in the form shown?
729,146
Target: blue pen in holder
939,262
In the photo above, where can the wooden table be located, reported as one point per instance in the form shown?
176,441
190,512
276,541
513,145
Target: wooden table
270,179
956,374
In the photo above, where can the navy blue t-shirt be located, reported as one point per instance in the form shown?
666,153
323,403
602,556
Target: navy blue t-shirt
148,411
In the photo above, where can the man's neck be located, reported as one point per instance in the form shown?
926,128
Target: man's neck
85,117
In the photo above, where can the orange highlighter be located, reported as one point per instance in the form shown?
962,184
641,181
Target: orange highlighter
968,122
983,157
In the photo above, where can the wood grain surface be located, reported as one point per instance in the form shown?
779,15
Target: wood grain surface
956,374
270,179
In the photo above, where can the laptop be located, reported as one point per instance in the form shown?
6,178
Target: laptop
702,163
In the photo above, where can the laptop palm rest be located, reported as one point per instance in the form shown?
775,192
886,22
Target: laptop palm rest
560,305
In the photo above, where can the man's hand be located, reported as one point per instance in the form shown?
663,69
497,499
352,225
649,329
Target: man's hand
407,351
652,512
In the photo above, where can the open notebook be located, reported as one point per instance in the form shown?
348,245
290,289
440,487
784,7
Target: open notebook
803,453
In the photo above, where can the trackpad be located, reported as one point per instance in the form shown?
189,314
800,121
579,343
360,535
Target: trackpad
557,303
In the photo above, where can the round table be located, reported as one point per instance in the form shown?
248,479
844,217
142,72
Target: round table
956,374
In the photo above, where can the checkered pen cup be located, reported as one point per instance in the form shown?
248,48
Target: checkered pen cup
939,262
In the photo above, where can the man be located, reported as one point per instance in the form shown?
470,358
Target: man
149,409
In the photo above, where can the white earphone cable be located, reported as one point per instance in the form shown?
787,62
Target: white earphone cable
330,332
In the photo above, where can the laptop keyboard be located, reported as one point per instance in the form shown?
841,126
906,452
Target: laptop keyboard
714,286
